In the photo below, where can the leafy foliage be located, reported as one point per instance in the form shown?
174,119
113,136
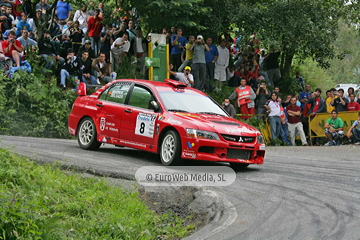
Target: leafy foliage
33,105
43,202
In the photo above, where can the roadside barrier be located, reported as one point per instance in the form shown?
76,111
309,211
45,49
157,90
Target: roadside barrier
316,123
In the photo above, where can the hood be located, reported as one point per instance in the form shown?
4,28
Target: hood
215,123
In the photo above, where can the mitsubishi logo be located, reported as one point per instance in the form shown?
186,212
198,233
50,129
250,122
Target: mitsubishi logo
241,140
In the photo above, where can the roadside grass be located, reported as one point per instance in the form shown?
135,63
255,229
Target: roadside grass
44,202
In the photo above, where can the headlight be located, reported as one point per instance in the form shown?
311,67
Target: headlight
194,133
260,139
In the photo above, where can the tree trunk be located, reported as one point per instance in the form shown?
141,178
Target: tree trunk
286,61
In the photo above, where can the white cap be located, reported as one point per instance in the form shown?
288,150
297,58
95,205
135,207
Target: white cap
199,36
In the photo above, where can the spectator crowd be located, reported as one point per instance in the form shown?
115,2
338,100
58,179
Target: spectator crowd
80,48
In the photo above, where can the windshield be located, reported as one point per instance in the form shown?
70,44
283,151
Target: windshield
190,101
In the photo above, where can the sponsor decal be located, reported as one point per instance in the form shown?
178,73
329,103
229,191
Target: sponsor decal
102,123
132,143
262,147
173,121
161,117
187,114
190,145
189,155
103,140
232,130
157,129
71,130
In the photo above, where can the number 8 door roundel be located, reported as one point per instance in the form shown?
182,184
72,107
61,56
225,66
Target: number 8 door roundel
145,125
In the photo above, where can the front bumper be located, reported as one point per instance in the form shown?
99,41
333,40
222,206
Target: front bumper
222,151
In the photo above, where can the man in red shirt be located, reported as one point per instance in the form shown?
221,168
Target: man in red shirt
352,105
12,48
294,113
94,29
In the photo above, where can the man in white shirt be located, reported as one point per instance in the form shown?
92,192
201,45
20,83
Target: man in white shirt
221,64
186,77
119,48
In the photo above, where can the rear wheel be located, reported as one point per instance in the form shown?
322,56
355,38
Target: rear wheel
239,166
87,135
170,149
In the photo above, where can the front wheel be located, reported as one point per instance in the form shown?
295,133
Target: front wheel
87,135
170,149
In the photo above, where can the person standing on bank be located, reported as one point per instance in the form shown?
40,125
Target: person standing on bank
245,99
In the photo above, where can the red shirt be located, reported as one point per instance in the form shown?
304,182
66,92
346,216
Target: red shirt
5,44
94,27
306,109
295,108
317,103
353,106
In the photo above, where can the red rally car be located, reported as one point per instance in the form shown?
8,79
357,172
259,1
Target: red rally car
167,118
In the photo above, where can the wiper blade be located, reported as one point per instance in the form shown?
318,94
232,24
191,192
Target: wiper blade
177,110
211,113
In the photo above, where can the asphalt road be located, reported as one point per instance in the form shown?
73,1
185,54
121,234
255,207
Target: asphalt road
299,193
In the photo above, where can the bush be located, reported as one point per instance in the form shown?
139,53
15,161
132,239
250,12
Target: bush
33,105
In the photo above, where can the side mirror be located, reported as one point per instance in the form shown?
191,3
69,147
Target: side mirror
154,106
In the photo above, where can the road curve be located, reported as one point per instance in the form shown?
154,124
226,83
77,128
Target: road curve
299,193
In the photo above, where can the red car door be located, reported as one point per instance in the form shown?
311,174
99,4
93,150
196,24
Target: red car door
139,121
110,110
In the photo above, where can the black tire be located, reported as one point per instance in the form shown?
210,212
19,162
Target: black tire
87,135
170,149
239,166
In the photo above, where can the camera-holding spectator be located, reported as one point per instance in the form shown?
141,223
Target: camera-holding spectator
107,38
262,96
245,97
70,68
352,105
178,44
274,111
76,35
329,97
340,102
334,127
228,107
187,61
86,69
48,51
186,77
12,48
102,69
119,49
317,103
294,122
198,62
355,130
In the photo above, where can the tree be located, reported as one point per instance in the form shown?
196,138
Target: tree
304,28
